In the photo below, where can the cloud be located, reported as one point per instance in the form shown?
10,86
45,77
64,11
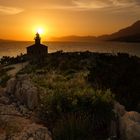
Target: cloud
9,10
102,4
66,4
88,5
73,4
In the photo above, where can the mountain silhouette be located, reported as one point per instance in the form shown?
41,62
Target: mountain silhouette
129,34
74,38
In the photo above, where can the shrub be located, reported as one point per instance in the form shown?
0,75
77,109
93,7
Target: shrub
121,74
74,126
66,96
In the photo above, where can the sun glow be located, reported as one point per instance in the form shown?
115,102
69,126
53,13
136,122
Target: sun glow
40,31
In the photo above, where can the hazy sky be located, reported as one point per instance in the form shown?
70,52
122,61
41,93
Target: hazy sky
19,19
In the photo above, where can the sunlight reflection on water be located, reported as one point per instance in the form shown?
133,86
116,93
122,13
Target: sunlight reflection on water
16,48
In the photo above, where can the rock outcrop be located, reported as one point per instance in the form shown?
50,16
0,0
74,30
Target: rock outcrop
126,125
22,89
129,123
33,132
130,126
120,109
15,126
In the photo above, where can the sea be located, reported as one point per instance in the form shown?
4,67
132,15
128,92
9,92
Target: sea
16,48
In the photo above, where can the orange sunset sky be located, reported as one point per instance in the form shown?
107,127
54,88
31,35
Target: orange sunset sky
20,19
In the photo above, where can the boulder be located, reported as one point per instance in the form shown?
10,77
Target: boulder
4,100
13,126
8,110
2,134
2,92
33,132
33,98
10,88
120,109
128,123
22,89
130,126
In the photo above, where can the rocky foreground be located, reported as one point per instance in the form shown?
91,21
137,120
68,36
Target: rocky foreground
18,121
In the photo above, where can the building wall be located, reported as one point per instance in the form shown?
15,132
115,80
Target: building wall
37,54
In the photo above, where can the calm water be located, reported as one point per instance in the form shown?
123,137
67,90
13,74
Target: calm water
15,48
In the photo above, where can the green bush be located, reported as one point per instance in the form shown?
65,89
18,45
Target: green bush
65,96
121,74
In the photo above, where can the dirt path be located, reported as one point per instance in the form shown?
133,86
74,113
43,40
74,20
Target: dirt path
16,68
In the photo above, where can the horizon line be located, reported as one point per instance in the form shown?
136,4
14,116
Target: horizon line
53,37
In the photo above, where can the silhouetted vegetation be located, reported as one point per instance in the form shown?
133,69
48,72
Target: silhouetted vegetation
121,74
7,60
76,102
72,108
3,76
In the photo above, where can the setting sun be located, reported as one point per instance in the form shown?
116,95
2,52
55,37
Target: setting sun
40,30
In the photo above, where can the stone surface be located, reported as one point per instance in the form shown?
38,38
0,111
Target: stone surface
2,134
128,122
19,128
14,125
8,109
130,126
120,109
24,91
11,86
4,100
33,98
33,132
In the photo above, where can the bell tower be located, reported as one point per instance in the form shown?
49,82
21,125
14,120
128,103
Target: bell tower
37,39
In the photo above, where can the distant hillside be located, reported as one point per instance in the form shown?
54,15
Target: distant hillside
2,40
5,40
129,34
75,38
